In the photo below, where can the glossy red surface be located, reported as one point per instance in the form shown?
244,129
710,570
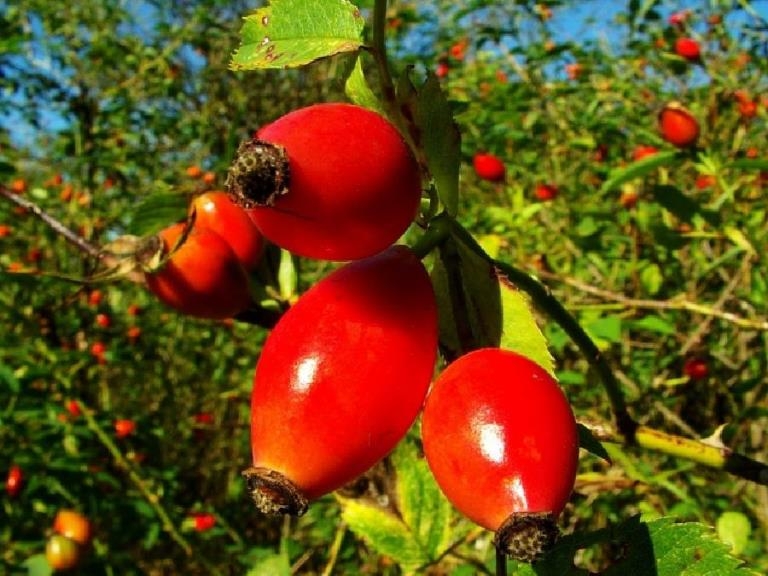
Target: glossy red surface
500,437
343,375
203,277
354,184
215,211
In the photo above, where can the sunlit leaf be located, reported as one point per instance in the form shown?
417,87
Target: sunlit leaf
637,169
520,331
290,33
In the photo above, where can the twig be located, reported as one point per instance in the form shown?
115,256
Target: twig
69,235
677,303
152,499
107,258
703,452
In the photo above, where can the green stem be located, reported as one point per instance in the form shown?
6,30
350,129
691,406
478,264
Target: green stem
434,236
379,50
152,499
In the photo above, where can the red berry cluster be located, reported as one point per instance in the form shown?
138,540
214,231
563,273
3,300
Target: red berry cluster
346,371
205,261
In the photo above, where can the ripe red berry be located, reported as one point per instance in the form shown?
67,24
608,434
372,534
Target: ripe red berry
202,277
73,525
217,212
19,186
629,198
95,298
642,151
704,181
194,171
545,192
73,407
15,481
103,320
203,418
124,427
458,50
330,401
501,440
678,18
133,333
678,126
133,310
203,521
489,167
331,181
98,349
574,70
696,368
688,48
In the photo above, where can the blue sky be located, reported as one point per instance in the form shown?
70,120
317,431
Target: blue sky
581,21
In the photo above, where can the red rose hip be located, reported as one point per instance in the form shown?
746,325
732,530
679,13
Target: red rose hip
489,167
341,379
202,277
501,440
330,181
216,211
678,126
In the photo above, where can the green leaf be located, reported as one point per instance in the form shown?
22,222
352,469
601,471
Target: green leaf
520,331
607,328
8,379
661,547
591,444
384,532
287,276
274,565
667,548
291,33
358,91
682,206
739,239
424,509
654,324
734,529
437,133
469,299
156,212
637,170
37,565
749,164
651,278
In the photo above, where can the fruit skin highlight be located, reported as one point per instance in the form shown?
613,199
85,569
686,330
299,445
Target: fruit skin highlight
341,379
331,181
501,440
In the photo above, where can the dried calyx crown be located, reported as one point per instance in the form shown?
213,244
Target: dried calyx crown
259,174
273,493
525,536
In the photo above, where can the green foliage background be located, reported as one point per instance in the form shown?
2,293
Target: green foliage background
122,100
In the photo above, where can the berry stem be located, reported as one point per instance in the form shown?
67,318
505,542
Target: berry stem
501,562
379,50
437,232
